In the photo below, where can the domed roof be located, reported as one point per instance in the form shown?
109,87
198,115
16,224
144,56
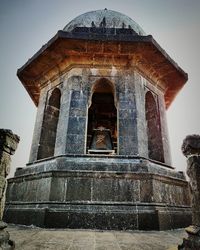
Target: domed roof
104,18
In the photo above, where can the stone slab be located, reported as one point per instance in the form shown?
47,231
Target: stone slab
36,238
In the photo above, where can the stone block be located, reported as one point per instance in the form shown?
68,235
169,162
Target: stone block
27,217
171,217
146,190
58,189
43,189
78,189
127,128
76,125
147,219
115,189
128,145
75,144
84,219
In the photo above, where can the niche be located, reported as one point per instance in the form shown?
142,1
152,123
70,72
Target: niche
49,126
102,119
155,144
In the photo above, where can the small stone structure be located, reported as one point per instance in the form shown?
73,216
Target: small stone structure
191,149
100,71
8,145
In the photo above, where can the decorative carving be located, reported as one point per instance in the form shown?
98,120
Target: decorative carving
8,145
103,23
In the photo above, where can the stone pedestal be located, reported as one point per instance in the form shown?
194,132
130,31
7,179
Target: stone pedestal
8,145
191,149
98,192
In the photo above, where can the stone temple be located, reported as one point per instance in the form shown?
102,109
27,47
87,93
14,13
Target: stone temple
100,155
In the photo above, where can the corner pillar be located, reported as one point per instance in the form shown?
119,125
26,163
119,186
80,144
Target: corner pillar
77,119
128,141
38,127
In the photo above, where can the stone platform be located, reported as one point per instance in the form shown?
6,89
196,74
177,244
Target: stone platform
98,192
27,238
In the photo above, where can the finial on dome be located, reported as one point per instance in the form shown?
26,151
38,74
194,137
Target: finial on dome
104,18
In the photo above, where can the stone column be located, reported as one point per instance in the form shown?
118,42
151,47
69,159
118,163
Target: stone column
38,126
76,131
8,145
164,131
191,149
128,139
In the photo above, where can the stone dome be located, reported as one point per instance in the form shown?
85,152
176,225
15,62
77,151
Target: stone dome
104,18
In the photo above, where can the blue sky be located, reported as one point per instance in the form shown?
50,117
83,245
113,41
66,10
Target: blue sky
25,25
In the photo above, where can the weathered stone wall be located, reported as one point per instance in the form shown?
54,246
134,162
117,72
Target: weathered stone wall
88,187
116,192
77,120
128,141
143,85
49,125
140,84
76,93
38,125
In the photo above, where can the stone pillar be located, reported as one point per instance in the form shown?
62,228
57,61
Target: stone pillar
140,115
76,128
164,130
191,149
128,140
38,126
61,137
8,145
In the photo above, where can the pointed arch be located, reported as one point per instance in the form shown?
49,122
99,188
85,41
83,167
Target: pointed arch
49,126
102,111
155,144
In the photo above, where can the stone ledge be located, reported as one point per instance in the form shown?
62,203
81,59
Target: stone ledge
117,218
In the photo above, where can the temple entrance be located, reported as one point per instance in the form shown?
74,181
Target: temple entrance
102,120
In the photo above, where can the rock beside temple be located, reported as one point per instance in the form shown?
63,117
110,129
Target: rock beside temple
8,145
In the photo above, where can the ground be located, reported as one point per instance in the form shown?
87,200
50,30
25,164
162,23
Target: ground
32,238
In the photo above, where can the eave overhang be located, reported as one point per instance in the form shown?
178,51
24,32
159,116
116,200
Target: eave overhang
67,49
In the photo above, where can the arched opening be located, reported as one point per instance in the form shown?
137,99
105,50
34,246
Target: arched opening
102,119
155,145
49,126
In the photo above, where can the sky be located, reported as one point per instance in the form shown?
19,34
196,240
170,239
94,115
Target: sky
26,25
